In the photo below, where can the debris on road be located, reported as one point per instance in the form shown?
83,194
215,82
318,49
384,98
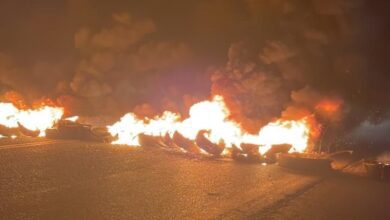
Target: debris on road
377,170
271,154
27,132
305,161
8,132
73,130
185,143
207,145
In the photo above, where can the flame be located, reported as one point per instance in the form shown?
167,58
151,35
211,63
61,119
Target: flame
72,119
16,99
38,119
214,117
130,127
9,115
329,106
291,132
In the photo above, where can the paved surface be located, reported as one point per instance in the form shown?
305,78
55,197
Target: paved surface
76,180
336,198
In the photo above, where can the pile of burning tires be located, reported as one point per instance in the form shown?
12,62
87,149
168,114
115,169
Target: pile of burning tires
248,153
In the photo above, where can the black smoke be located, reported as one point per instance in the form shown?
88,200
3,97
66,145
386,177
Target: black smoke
269,58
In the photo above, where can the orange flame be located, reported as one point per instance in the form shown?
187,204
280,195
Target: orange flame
39,119
72,118
329,106
212,116
291,132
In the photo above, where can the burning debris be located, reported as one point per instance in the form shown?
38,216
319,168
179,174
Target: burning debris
28,121
8,132
46,121
66,129
187,144
208,146
275,150
209,130
27,132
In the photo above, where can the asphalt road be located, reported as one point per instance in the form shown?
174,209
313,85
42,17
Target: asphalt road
44,179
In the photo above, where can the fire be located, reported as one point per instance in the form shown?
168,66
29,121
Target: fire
214,117
211,116
329,106
72,119
38,119
291,132
9,115
130,127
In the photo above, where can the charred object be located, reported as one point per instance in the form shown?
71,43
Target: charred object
168,141
150,141
8,132
275,150
207,145
247,153
74,130
27,132
185,143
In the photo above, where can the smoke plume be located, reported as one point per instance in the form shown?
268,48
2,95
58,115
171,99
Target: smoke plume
269,59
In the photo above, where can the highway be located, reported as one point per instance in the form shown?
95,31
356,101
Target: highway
44,179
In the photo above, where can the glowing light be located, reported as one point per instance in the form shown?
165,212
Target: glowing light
9,115
130,127
39,119
329,106
211,116
295,133
72,119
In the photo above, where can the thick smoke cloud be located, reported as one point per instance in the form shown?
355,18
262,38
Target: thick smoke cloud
119,63
313,62
254,94
270,59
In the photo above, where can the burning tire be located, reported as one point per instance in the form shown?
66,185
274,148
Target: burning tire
207,145
150,141
77,131
185,143
27,132
5,131
276,149
247,153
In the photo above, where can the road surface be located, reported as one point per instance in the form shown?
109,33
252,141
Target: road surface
43,179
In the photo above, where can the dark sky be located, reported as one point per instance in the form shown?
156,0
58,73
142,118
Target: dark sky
109,57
